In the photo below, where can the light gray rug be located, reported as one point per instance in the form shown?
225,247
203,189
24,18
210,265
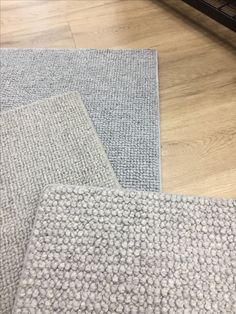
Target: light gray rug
119,89
46,142
108,251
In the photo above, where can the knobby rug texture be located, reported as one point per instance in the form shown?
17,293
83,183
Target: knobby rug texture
98,250
119,89
46,142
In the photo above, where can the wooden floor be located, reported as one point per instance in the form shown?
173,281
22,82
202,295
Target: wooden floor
197,71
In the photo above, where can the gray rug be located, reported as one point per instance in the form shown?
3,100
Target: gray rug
46,142
119,89
108,251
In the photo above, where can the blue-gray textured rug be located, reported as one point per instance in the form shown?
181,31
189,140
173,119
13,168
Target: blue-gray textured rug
119,89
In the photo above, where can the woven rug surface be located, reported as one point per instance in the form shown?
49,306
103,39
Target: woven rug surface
119,89
47,142
98,250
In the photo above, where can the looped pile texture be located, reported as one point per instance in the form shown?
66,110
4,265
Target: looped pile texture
50,141
97,250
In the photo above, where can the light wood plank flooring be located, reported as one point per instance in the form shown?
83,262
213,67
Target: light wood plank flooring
197,72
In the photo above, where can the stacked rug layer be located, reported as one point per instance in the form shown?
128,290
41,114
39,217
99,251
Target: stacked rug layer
49,141
81,229
99,250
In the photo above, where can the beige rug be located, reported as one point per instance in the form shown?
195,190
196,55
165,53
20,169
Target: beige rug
46,142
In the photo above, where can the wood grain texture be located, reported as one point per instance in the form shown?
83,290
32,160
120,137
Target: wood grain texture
197,72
